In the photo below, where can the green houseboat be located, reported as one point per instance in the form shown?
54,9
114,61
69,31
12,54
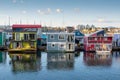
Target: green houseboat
2,39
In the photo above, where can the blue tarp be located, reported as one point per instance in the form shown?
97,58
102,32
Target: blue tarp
44,36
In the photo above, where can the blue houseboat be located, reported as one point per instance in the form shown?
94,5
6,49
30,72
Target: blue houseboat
79,37
60,42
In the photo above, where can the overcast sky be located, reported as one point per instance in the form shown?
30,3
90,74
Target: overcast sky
61,12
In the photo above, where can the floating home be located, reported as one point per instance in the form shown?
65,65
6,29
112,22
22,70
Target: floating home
2,39
116,40
60,42
24,38
79,37
98,42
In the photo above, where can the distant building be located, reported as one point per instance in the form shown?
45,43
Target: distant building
63,42
69,29
25,37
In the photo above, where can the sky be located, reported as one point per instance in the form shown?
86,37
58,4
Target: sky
101,13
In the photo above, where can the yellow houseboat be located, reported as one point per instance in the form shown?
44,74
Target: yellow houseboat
24,38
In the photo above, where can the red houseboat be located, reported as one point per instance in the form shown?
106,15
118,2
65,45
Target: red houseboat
98,42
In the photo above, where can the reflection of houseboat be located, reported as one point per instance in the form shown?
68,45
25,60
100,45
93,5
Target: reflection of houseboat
92,59
60,61
60,42
2,57
25,62
24,37
98,42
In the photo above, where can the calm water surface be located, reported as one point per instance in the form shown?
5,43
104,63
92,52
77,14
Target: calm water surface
59,66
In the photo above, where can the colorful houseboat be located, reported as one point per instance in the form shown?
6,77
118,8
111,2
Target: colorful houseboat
98,42
24,37
79,37
2,39
116,40
60,42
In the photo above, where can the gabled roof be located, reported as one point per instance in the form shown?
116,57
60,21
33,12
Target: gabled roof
25,26
77,31
95,33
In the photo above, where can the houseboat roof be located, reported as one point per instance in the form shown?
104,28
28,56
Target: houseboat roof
25,26
78,33
88,35
60,33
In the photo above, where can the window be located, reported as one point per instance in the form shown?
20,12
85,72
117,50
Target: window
13,36
62,46
52,45
32,44
26,37
51,36
70,38
95,38
105,39
90,38
61,36
17,36
32,36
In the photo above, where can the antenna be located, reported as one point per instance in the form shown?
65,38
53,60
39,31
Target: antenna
9,20
34,22
20,21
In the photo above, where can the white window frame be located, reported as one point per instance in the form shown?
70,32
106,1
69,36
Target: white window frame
52,45
60,35
106,39
61,44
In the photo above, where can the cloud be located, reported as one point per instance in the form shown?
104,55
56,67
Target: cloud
21,1
2,15
24,12
77,10
45,12
101,20
59,10
14,1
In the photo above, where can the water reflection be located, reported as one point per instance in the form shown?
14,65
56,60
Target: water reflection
116,54
22,62
2,57
92,59
60,61
77,54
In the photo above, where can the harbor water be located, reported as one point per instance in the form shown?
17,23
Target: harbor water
59,66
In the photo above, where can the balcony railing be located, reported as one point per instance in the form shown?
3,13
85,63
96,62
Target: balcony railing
99,41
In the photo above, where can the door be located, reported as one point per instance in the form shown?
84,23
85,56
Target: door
70,47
